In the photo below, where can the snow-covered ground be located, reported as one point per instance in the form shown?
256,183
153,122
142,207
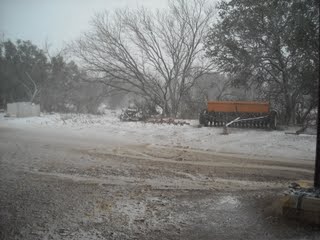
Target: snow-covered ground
254,143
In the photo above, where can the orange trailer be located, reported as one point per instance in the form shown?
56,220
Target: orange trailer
238,114
239,106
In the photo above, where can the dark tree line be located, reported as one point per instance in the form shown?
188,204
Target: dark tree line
23,68
27,73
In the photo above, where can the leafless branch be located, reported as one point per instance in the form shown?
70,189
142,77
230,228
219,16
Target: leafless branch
157,56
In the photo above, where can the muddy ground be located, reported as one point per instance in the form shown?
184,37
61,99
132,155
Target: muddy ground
73,187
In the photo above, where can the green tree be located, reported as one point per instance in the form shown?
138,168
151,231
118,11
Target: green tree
27,74
273,45
63,89
23,68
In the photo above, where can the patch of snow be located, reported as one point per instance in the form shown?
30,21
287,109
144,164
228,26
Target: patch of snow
228,202
132,209
249,142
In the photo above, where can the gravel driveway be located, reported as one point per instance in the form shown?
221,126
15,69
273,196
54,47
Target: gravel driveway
81,187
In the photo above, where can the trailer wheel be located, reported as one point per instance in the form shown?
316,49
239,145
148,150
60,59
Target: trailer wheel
206,123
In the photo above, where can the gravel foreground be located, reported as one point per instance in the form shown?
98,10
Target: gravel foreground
73,186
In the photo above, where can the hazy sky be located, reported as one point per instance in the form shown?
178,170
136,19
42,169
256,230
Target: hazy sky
58,21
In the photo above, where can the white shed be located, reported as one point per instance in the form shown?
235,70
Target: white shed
23,109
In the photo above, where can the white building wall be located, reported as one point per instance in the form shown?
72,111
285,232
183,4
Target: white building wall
23,109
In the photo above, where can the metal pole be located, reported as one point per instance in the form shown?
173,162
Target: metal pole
317,166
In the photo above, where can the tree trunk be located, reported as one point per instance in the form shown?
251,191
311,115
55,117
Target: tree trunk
4,101
289,104
290,114
166,111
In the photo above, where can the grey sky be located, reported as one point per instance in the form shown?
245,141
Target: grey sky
58,21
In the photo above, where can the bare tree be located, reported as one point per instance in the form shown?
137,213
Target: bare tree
31,87
32,91
158,56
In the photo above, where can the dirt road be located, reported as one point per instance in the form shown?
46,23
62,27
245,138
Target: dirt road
81,187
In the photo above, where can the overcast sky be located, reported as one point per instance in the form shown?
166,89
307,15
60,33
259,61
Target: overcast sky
58,21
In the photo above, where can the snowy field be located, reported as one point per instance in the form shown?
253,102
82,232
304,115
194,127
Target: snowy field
247,142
